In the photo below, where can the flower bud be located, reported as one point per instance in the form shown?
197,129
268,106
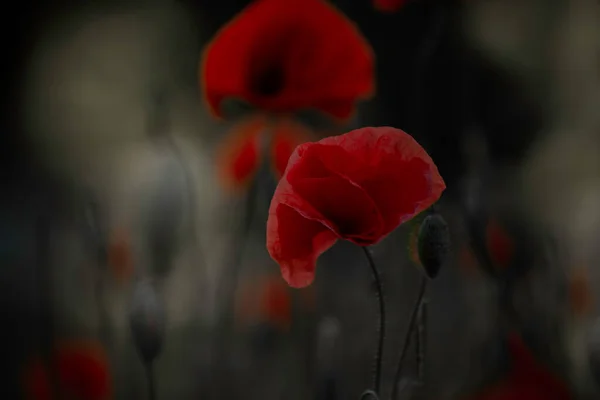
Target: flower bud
433,244
147,321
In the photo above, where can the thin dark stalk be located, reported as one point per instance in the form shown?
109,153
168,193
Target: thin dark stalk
421,340
46,299
411,327
379,289
151,379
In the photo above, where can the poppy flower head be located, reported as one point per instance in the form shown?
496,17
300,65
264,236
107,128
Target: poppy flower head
81,369
358,187
286,56
389,6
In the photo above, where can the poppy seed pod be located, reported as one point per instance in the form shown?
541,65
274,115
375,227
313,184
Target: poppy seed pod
433,244
147,321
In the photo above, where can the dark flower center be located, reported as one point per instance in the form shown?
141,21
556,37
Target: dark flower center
268,82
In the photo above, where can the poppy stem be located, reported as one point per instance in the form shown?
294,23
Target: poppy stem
407,337
151,381
379,289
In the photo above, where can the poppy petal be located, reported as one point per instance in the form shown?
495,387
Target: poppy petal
82,372
323,188
288,135
238,158
283,56
296,243
393,168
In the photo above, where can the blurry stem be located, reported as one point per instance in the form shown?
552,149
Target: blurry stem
428,49
46,299
421,340
379,288
411,327
151,380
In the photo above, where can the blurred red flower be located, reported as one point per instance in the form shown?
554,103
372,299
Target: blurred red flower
358,186
239,157
81,369
389,6
266,300
527,380
499,244
285,56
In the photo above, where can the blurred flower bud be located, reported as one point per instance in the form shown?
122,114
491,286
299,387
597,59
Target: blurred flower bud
328,335
369,395
147,320
433,244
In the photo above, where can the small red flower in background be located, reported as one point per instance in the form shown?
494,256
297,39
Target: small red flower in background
240,155
499,244
528,380
358,186
389,6
81,369
581,298
285,56
266,300
120,255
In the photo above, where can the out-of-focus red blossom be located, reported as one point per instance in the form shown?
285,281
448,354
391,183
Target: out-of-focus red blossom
282,56
276,303
500,245
527,380
81,369
581,298
268,300
358,186
239,156
389,6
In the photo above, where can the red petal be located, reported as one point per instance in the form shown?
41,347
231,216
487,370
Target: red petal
391,167
288,135
283,56
527,380
295,239
277,304
346,208
389,6
83,370
37,385
238,158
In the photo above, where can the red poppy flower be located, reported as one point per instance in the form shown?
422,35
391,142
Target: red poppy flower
389,6
240,155
528,380
358,186
81,369
286,56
